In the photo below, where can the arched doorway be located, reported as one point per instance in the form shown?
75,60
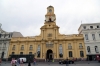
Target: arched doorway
49,54
2,56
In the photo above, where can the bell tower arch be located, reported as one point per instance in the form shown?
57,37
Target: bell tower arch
50,16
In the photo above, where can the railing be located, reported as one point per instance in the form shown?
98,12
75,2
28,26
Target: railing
49,45
80,47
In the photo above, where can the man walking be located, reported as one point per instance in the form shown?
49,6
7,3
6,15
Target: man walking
67,62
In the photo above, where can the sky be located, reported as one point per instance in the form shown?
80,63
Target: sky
27,16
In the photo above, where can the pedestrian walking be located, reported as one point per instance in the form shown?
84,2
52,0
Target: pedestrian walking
21,62
6,60
13,62
0,61
18,62
29,63
67,62
34,61
45,60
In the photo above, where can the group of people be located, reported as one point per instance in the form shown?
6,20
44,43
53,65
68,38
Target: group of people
19,62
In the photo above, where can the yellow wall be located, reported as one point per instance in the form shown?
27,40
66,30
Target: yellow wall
56,38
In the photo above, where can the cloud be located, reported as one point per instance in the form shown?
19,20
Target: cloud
27,16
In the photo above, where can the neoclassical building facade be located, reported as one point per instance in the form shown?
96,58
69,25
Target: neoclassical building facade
5,38
91,33
50,44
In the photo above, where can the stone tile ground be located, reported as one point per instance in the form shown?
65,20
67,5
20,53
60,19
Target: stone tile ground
47,64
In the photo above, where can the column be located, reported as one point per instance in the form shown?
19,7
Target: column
35,50
76,49
42,34
26,48
57,51
54,51
64,51
18,48
41,51
44,55
9,49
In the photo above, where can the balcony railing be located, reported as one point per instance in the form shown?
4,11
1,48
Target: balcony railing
80,47
49,45
69,47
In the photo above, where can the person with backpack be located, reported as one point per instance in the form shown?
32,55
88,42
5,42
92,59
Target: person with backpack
13,62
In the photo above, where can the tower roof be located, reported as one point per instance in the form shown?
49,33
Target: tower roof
50,6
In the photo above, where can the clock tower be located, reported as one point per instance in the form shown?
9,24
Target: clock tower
50,16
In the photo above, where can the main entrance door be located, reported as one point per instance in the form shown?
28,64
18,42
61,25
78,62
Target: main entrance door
49,54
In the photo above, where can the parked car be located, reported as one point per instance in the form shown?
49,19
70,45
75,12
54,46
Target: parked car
24,59
64,62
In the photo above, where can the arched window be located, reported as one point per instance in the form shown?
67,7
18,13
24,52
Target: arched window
60,51
88,49
96,49
38,51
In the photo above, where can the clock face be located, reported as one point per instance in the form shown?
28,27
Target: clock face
50,10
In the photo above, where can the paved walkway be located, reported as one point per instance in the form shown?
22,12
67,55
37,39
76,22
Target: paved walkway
46,64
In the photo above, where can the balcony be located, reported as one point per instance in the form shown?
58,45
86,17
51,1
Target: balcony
80,47
49,45
69,47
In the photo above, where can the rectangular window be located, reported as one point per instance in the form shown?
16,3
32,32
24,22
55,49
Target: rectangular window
80,45
30,53
98,26
93,36
31,47
86,36
4,45
60,51
38,51
0,35
13,53
9,35
22,47
21,53
84,27
99,35
70,54
13,48
91,27
69,46
81,54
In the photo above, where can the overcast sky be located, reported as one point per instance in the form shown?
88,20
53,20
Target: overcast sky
27,16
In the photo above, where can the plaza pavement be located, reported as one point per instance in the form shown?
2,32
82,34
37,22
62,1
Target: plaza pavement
56,64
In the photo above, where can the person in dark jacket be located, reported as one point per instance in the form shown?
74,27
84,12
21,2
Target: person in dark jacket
67,62
29,63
